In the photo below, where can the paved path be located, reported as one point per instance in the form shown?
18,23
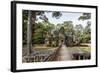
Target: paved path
64,54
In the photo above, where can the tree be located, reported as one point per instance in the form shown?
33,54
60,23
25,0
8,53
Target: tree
87,30
25,19
78,33
43,30
30,16
68,25
56,14
87,33
31,23
85,16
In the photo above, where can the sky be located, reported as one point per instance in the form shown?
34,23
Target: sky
66,16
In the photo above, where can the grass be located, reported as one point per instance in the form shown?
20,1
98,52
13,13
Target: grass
73,49
43,47
80,49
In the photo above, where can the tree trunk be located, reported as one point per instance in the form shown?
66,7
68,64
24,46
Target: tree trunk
31,22
29,33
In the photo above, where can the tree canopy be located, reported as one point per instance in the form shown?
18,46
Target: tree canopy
45,32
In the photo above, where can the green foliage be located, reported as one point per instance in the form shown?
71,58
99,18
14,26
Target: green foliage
85,16
25,18
56,14
38,38
47,33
